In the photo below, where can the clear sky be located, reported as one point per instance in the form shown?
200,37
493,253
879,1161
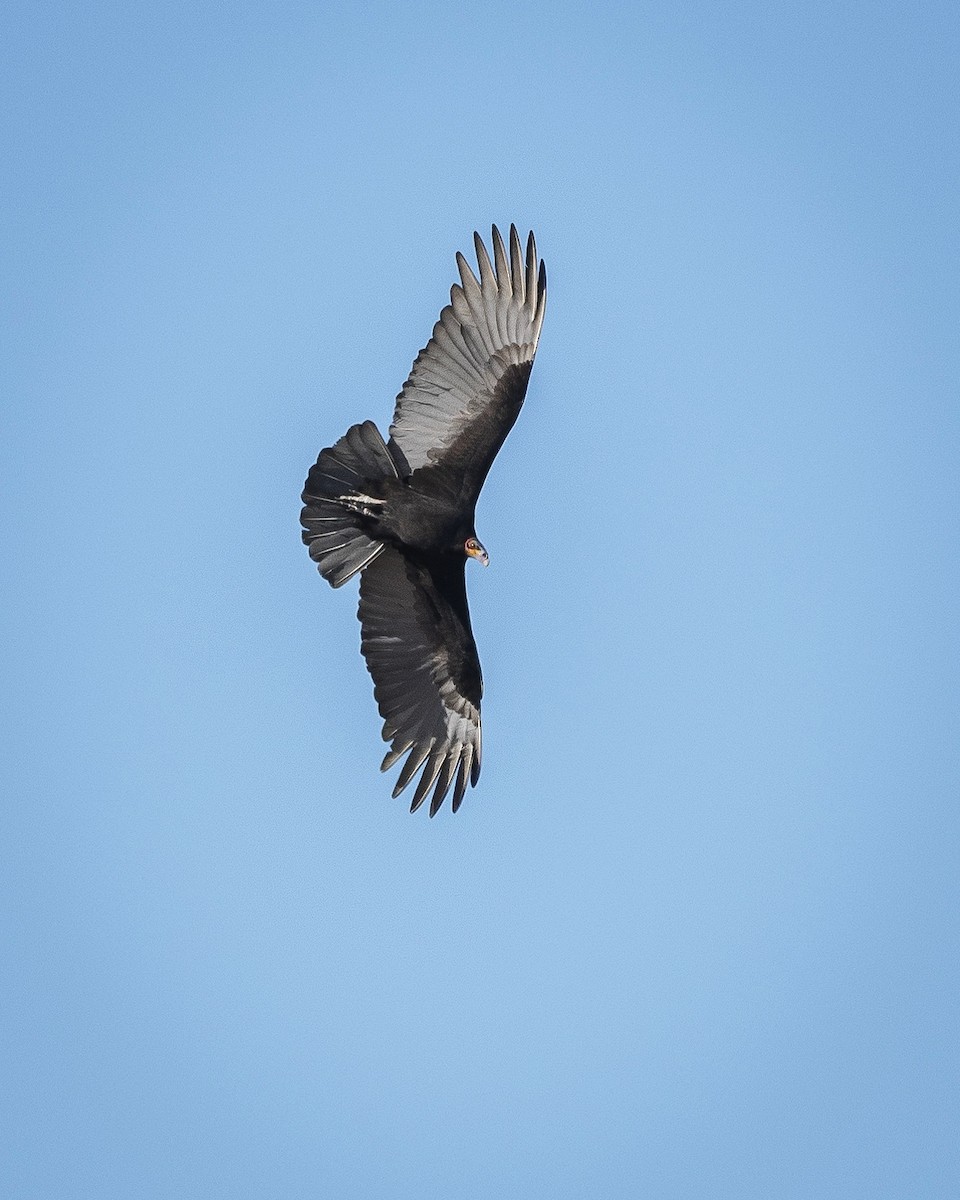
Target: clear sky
696,932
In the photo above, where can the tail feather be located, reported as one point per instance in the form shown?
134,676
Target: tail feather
338,503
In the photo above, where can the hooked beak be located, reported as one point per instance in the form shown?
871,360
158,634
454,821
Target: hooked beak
474,549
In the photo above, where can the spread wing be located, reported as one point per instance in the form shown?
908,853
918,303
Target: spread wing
468,383
419,648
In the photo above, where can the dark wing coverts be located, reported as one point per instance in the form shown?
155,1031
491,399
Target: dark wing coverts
423,659
467,384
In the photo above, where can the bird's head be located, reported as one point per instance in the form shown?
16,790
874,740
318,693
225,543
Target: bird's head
473,548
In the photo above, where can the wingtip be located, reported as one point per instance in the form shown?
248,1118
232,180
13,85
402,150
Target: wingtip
483,258
390,758
501,261
469,281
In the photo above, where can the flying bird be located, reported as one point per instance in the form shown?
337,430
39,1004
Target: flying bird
401,513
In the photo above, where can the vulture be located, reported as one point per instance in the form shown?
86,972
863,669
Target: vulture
400,513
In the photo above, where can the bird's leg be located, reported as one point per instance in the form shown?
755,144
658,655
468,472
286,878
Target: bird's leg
357,502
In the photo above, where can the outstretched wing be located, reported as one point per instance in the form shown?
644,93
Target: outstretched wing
468,383
420,650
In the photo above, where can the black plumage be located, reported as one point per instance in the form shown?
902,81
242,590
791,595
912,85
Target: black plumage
401,512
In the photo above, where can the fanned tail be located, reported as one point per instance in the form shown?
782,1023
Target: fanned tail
340,500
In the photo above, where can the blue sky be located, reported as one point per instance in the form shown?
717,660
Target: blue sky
695,933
